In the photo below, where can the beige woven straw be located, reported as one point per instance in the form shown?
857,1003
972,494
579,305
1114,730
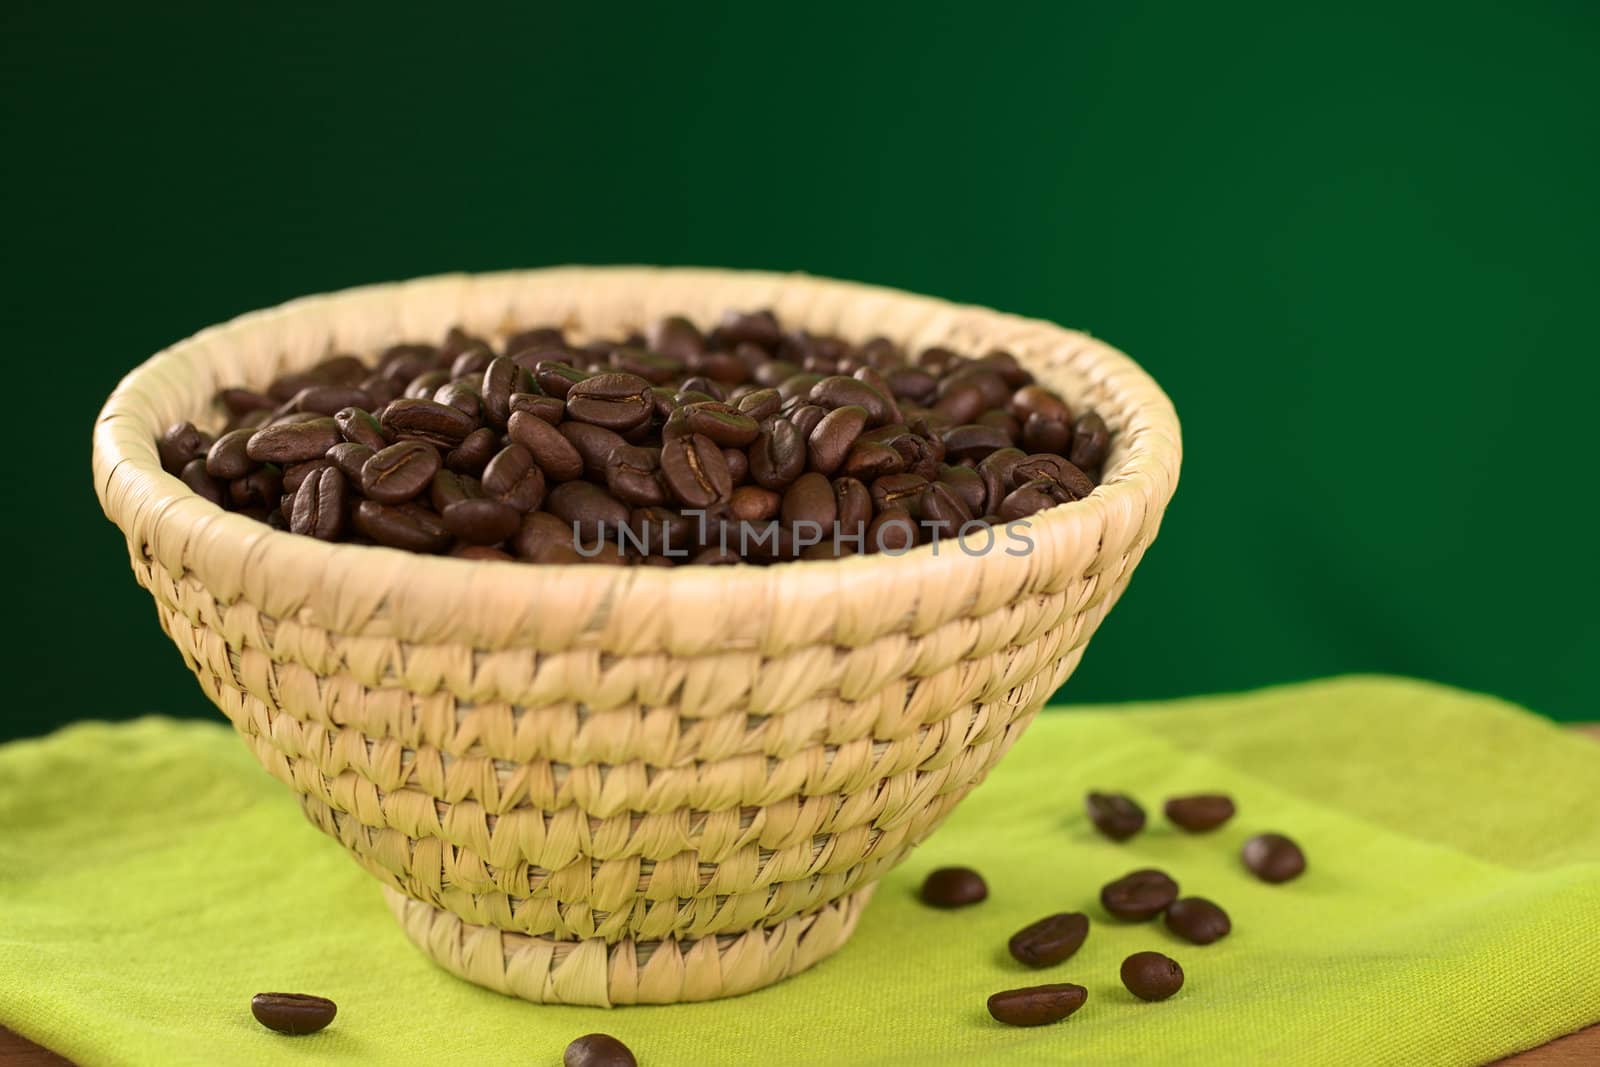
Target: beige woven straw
606,785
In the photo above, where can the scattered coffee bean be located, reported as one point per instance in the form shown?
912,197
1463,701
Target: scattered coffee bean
954,887
1140,895
1050,940
1197,920
598,1050
1116,815
1037,1005
1199,813
1273,858
292,1013
1151,976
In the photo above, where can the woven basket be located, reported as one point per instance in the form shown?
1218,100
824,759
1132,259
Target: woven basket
605,785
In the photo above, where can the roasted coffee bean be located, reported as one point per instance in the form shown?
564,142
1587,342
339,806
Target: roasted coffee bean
992,387
513,478
319,505
750,327
898,490
961,404
912,384
966,484
760,405
827,548
778,456
654,367
538,337
853,502
402,526
677,336
839,391
195,477
954,887
1037,1005
632,477
1151,976
892,532
408,360
261,488
594,444
751,503
546,539
615,400
941,510
870,459
1273,858
695,472
1197,920
797,387
700,384
997,470
870,376
660,531
1091,440
589,511
293,442
973,441
448,487
723,424
1037,400
738,465
1075,485
474,452
297,473
834,436
292,1013
1116,815
551,450
1139,895
463,397
244,401
503,378
329,399
598,1050
1199,813
1030,498
1040,434
359,427
349,457
427,420
180,444
1050,940
810,500
806,418
481,522
423,386
722,366
1004,422
548,408
399,472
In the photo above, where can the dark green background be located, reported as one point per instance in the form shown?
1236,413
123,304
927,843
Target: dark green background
1357,246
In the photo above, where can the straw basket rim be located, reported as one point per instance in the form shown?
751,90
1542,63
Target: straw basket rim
378,591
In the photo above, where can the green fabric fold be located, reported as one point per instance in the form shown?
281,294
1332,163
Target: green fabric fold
152,878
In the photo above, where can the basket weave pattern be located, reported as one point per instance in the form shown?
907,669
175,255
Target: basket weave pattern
601,785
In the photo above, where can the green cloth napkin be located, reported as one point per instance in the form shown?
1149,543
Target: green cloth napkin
152,878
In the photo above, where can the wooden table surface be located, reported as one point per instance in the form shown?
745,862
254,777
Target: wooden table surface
1581,1049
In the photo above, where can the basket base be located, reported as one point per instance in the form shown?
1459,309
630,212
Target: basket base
592,972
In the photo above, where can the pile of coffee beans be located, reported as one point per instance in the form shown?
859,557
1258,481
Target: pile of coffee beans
748,443
1136,897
